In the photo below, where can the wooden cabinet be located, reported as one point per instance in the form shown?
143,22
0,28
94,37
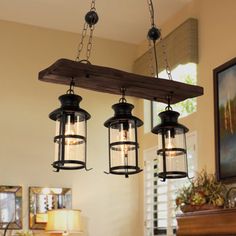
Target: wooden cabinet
209,222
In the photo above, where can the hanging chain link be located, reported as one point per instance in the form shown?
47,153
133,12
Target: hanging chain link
153,37
91,27
151,10
150,54
92,7
90,41
168,69
81,44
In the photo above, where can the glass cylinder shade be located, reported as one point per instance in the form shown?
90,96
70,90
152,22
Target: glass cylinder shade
71,132
123,144
171,152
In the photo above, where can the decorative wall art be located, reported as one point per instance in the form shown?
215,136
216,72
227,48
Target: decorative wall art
225,120
10,207
43,199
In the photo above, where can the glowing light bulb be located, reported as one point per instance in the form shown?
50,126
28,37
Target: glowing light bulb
124,136
170,146
70,130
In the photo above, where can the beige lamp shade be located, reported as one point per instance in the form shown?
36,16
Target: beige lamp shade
64,221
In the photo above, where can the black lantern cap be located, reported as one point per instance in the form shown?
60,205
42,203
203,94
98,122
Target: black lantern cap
123,112
169,120
70,104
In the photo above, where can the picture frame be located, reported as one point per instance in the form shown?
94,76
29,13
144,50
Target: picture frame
224,78
42,199
10,207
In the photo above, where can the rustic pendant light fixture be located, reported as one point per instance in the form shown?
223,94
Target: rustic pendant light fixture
71,121
123,139
71,132
123,145
171,152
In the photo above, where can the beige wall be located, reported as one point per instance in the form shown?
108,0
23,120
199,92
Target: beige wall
109,204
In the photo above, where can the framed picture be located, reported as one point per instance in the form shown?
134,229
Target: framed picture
10,207
225,120
43,199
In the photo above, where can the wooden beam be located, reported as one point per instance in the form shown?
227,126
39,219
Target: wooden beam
109,80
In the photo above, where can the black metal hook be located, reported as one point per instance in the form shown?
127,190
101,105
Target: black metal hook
122,99
168,107
88,169
72,85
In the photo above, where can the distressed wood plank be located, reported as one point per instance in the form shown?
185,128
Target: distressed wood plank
109,80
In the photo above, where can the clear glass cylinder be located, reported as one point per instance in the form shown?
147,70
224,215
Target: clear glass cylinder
123,146
70,139
172,154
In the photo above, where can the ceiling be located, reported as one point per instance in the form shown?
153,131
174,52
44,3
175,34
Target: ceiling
122,20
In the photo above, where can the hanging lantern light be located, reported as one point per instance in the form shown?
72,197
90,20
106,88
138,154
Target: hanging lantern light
172,151
123,144
71,132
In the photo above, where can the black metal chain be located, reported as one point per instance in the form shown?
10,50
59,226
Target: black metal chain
151,11
151,66
153,35
81,44
93,7
168,69
90,41
91,18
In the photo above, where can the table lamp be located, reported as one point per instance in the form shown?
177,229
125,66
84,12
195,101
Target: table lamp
65,221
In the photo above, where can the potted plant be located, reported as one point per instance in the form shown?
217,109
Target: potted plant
203,193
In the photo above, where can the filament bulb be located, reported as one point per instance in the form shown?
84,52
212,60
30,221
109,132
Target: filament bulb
170,146
70,130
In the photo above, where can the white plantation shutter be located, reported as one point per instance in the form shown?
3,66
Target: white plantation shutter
150,184
160,196
166,207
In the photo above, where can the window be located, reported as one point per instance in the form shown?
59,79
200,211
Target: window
160,196
182,73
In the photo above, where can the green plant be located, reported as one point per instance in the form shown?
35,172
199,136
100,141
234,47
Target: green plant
203,189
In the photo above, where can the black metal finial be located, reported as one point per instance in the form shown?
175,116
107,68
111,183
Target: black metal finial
154,34
91,18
